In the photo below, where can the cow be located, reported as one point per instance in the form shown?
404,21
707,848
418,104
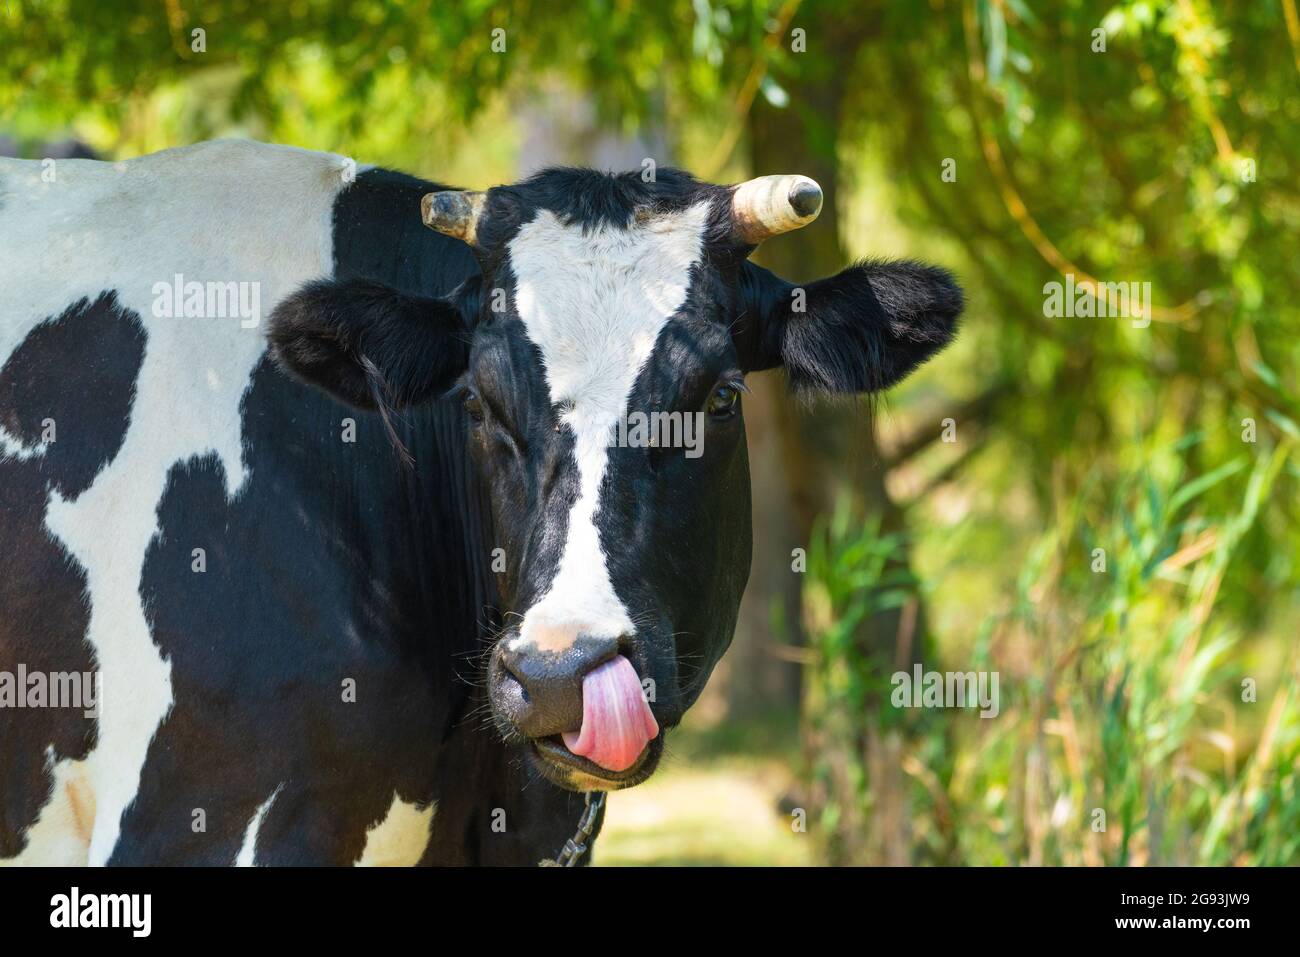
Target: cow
321,476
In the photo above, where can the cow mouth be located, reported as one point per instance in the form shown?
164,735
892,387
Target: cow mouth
574,771
616,741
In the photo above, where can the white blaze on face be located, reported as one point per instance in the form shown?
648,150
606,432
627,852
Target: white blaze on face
594,304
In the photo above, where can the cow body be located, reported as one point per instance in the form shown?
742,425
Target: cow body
300,690
408,602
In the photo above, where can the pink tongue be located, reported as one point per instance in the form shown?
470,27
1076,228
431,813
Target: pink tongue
616,721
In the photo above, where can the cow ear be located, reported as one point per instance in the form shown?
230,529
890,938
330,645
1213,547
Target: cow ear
370,345
860,330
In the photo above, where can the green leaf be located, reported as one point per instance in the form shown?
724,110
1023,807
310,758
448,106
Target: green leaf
1205,482
1284,423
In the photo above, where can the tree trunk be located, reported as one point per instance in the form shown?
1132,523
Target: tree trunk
826,447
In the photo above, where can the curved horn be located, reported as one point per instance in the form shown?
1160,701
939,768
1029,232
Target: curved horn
771,205
453,212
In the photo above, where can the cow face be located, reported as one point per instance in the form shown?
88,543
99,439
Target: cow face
600,358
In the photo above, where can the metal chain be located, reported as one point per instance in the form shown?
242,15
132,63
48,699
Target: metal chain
576,846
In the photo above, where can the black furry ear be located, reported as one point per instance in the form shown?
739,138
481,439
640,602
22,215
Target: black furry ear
861,330
370,345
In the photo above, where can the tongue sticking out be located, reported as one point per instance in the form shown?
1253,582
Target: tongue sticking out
616,721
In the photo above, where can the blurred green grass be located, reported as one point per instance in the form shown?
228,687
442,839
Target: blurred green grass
718,799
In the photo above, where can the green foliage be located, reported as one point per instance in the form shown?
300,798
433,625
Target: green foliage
1123,691
106,67
1166,445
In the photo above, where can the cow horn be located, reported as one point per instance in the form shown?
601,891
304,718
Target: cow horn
771,205
454,212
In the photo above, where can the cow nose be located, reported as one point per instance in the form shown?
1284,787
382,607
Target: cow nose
541,688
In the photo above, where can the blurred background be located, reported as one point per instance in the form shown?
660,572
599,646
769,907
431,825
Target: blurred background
1101,510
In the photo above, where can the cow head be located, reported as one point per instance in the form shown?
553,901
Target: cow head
600,357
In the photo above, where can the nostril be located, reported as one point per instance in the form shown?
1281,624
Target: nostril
623,646
514,680
511,691
595,653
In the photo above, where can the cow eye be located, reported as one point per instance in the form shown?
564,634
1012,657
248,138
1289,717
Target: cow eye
473,405
722,401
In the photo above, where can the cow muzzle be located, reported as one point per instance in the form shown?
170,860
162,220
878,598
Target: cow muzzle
583,710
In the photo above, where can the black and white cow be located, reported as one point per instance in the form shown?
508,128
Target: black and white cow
310,650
